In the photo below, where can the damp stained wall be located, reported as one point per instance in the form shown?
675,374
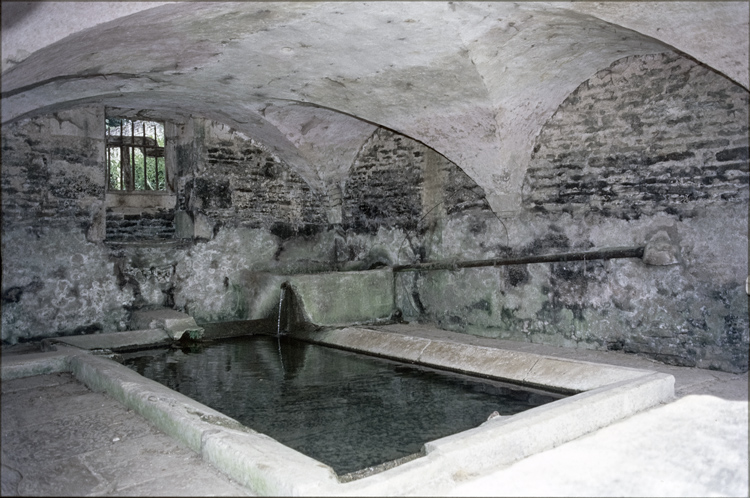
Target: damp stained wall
651,145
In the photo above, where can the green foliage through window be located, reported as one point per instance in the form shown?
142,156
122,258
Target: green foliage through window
135,155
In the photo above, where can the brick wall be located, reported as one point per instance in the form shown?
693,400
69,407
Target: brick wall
652,134
148,225
242,184
396,181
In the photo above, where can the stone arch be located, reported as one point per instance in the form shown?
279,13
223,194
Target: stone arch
653,134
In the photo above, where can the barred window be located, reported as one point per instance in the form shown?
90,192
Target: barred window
135,155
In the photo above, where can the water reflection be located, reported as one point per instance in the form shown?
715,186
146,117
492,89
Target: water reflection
346,410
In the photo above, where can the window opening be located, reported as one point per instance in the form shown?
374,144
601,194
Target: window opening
135,155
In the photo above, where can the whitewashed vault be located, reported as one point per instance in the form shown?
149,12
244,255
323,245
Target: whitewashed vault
474,81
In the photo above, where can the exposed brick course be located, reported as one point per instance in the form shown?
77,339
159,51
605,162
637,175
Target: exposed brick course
652,134
246,185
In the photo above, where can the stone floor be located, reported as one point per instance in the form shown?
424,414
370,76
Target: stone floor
59,438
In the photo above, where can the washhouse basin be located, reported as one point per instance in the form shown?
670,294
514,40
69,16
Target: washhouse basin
597,395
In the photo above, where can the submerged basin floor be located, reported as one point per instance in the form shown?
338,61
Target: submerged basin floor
347,410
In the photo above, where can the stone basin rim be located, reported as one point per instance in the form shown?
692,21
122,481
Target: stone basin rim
270,468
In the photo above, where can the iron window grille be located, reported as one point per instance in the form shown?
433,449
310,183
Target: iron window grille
135,155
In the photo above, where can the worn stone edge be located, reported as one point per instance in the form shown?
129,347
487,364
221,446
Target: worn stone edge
506,440
31,364
255,460
559,374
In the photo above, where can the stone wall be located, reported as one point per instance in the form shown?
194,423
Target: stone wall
54,278
384,186
651,148
61,275
653,134
156,224
239,183
650,145
244,221
52,172
398,197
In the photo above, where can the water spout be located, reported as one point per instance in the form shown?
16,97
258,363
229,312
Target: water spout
281,302
278,324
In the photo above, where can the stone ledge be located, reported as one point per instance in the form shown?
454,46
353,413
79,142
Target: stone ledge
173,322
30,364
115,340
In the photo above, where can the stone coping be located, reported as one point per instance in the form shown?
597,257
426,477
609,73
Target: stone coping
114,341
605,394
534,370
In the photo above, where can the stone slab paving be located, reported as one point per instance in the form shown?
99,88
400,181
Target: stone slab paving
696,446
61,439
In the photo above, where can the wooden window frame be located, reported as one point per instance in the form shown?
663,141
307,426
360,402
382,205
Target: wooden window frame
131,138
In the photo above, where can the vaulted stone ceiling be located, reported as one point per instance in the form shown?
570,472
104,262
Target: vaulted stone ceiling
474,81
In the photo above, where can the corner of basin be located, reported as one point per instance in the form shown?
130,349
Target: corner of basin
265,466
30,364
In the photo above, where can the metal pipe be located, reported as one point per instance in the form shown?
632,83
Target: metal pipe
609,253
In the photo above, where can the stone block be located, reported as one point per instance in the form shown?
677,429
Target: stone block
183,225
403,347
343,298
116,340
660,250
174,322
203,227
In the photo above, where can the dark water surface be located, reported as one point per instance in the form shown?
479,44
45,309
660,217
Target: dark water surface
347,410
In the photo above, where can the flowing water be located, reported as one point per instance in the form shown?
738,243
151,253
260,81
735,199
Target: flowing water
347,410
281,301
278,327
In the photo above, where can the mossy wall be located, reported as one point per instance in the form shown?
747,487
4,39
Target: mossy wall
650,145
